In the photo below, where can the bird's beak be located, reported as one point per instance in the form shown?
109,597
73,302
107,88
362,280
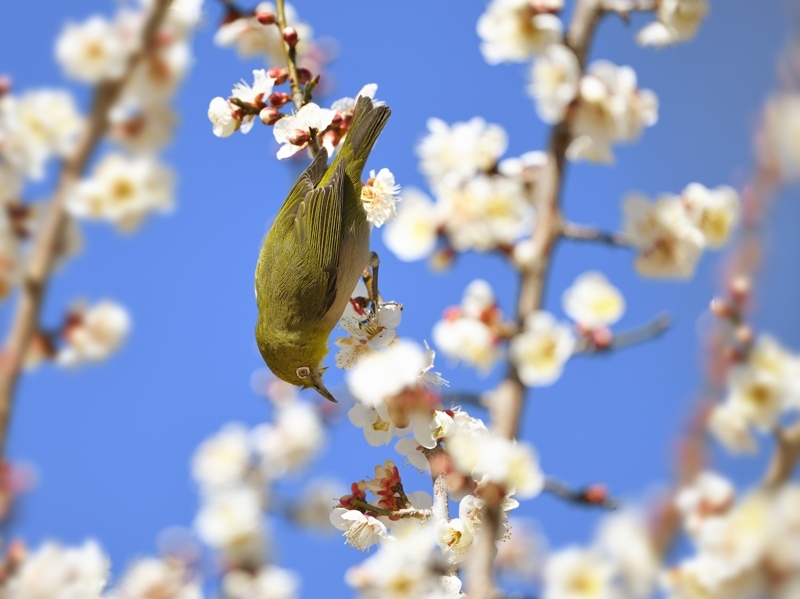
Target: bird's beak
316,381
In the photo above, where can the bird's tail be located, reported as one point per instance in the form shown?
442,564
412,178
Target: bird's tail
368,122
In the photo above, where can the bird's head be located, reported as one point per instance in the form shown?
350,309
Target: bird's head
312,377
297,361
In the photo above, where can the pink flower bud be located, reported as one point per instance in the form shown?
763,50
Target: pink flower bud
290,36
280,75
337,119
265,17
720,308
744,335
740,288
5,84
602,338
304,75
299,137
269,115
278,99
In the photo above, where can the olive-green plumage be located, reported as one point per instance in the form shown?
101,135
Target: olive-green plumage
314,254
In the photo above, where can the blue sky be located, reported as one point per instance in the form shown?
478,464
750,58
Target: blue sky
112,443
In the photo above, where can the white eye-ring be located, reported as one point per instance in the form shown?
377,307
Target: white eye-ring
303,372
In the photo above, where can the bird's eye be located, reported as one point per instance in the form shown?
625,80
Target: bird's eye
303,372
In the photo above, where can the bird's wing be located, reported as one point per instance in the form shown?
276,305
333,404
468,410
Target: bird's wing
305,183
318,228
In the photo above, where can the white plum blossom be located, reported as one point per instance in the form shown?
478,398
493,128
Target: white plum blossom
347,105
452,154
468,340
729,424
294,438
319,498
454,539
759,396
224,459
221,115
360,531
669,243
577,573
379,197
626,539
610,108
123,191
56,572
430,379
541,349
142,127
781,135
429,428
412,234
92,51
592,301
366,336
295,131
94,333
485,213
230,521
251,38
156,79
714,212
489,458
254,95
380,375
376,430
269,582
554,82
516,30
410,448
150,577
678,20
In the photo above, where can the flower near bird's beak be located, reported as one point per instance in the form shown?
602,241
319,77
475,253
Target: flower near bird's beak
316,382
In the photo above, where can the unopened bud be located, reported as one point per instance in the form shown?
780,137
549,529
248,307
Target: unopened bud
602,338
280,75
290,36
720,308
740,288
265,17
337,119
744,335
595,494
16,553
304,75
442,259
732,355
269,115
278,99
299,137
5,84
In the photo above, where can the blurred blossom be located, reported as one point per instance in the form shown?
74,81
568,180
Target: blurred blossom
319,498
715,212
782,135
92,51
541,349
625,539
577,573
489,458
516,30
142,128
123,191
251,38
230,521
678,20
522,555
291,441
669,243
710,495
593,302
728,423
152,578
56,572
269,582
93,333
156,79
451,155
381,375
610,108
412,234
554,82
379,197
36,126
223,460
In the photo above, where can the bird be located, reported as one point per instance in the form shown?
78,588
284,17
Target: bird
313,255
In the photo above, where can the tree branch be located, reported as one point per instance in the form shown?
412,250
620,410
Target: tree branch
641,334
590,496
291,57
584,233
785,457
46,243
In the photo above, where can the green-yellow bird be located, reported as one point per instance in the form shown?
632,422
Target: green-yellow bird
314,254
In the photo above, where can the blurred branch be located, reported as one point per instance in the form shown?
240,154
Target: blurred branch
785,458
509,397
635,336
624,8
46,243
584,233
590,496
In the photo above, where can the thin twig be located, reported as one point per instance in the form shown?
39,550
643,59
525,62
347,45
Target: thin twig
291,57
584,233
624,8
48,239
641,334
